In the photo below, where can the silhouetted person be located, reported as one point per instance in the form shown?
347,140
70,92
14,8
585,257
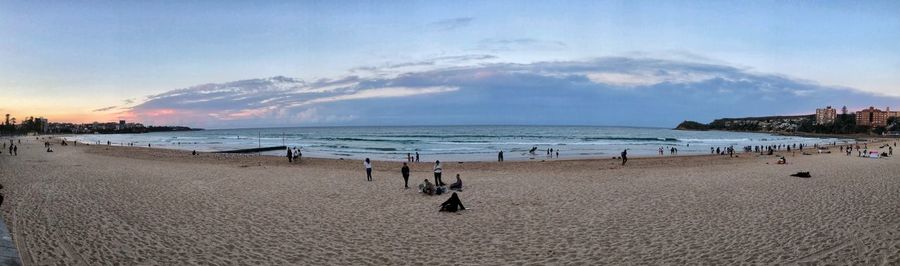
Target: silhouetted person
624,156
417,157
368,165
290,155
16,149
405,172
500,156
452,204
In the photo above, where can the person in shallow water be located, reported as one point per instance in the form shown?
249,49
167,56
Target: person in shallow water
452,204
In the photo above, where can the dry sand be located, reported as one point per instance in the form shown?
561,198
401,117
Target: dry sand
122,205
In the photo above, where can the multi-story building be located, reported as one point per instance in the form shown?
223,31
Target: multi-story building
872,117
45,124
825,115
892,113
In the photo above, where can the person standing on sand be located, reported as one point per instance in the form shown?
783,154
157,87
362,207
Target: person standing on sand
417,157
405,172
624,156
437,173
290,155
500,156
368,165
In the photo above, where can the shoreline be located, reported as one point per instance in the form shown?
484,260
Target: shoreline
160,206
637,150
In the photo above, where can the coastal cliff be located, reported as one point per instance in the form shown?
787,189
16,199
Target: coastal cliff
844,124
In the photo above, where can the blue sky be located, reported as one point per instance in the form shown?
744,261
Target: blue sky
68,59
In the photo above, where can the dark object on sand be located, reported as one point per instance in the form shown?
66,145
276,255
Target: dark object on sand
452,204
802,174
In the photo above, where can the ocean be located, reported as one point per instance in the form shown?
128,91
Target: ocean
456,143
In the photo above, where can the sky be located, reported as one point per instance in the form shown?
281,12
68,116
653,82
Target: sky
282,63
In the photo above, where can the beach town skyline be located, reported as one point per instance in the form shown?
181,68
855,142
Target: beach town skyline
295,63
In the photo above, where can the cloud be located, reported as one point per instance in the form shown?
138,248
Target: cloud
104,109
433,61
451,23
633,91
499,45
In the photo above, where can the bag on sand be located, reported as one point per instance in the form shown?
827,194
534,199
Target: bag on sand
802,174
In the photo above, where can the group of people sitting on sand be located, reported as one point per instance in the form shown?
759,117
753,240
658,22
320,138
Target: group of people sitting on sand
439,188
427,187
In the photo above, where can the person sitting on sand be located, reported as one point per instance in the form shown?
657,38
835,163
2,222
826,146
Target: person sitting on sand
782,160
457,185
452,204
426,187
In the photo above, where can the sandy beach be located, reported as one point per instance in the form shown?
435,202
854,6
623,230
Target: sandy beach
129,205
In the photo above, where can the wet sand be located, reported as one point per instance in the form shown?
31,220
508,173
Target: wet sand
129,205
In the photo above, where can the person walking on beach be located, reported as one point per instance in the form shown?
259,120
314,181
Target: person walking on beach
405,172
368,165
624,156
16,150
290,155
417,157
437,173
500,156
